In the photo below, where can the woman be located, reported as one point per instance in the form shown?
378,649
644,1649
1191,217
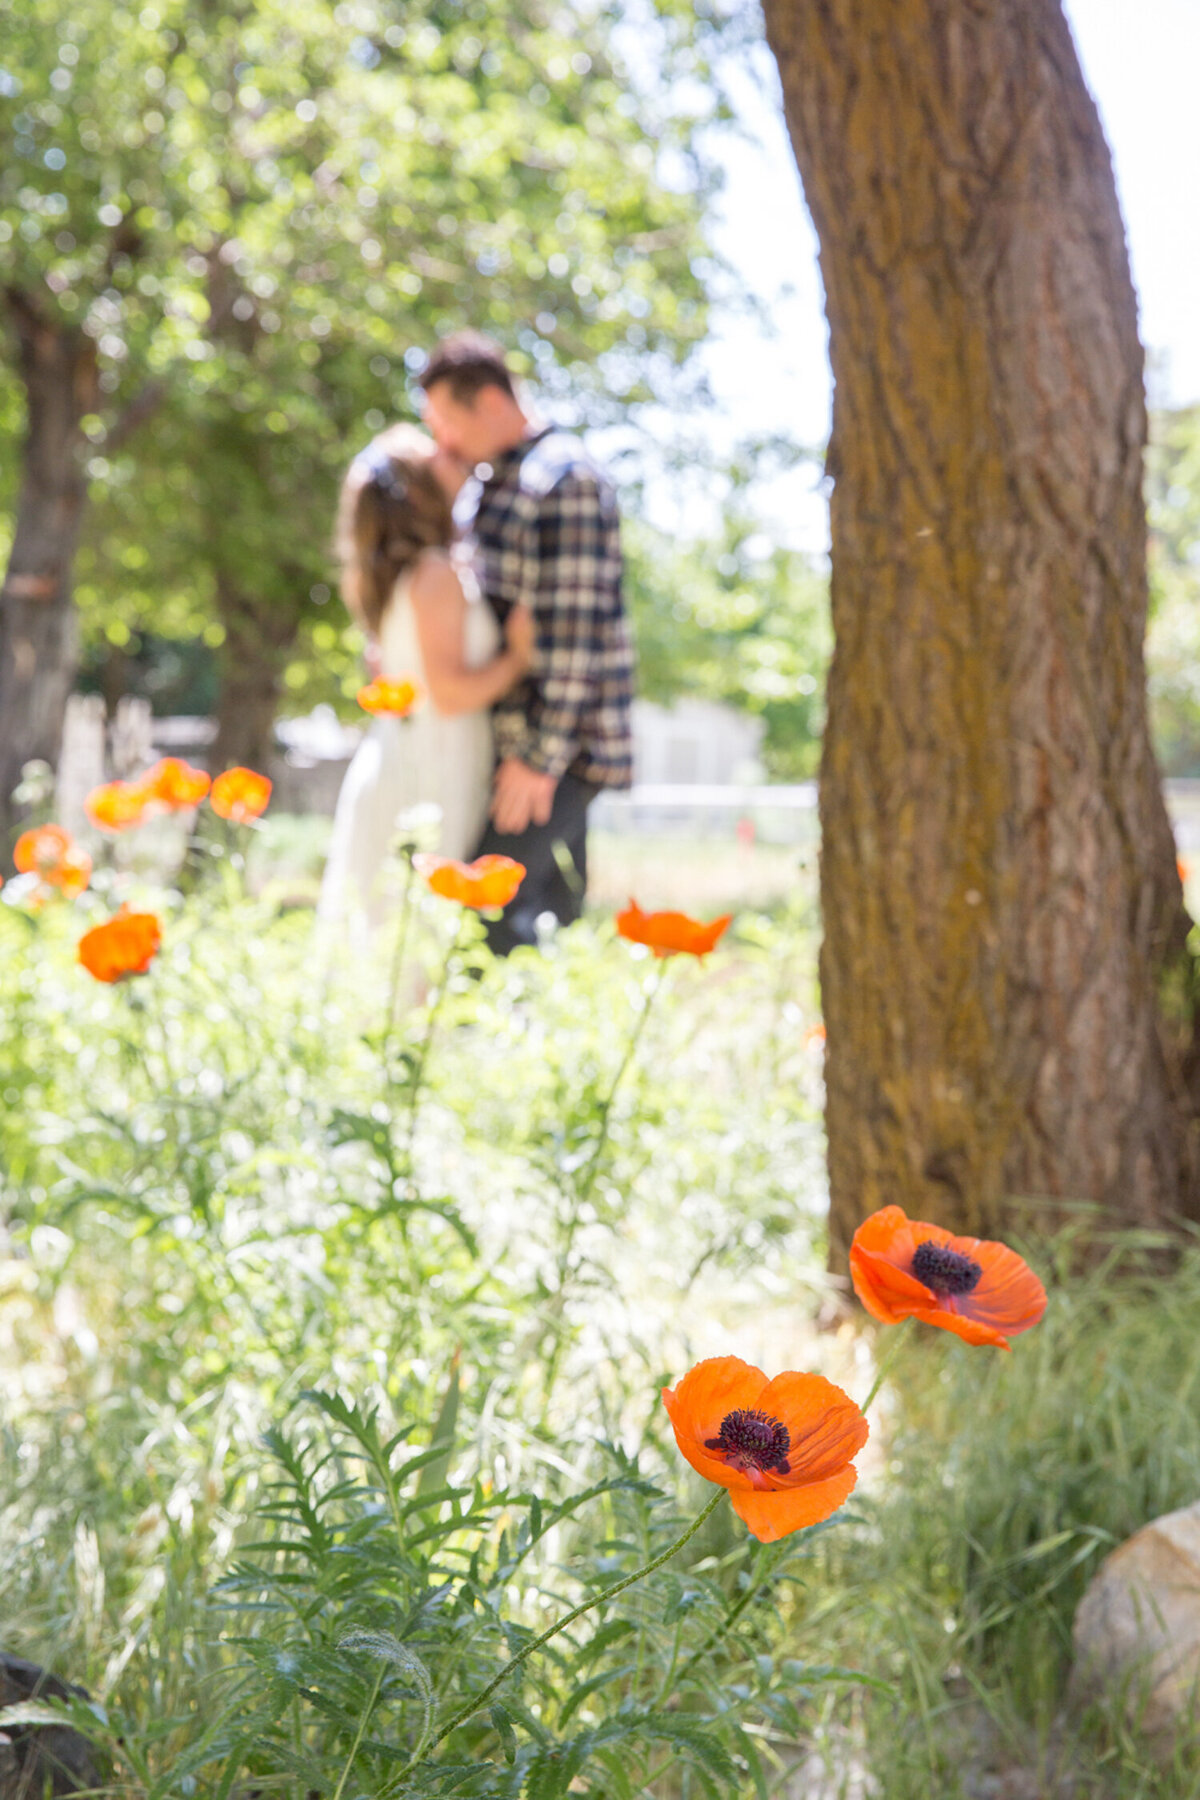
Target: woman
414,595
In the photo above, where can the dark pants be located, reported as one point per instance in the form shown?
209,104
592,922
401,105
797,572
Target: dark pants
555,858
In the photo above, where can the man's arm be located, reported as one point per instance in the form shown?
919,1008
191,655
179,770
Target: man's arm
577,565
573,563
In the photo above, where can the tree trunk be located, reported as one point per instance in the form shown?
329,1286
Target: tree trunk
257,639
1006,985
37,626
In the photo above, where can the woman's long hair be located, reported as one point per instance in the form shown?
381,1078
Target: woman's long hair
392,507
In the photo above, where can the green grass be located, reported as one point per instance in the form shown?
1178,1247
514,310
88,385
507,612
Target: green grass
216,1207
701,875
1009,1479
231,1270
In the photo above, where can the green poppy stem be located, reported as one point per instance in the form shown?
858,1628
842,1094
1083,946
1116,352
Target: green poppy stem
389,1024
610,1593
881,1373
764,1561
422,1064
584,1191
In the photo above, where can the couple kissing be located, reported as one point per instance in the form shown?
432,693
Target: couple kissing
482,559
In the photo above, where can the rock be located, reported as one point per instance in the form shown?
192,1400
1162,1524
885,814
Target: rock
36,1760
1137,1629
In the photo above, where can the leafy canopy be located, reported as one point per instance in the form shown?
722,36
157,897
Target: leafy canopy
263,210
1173,638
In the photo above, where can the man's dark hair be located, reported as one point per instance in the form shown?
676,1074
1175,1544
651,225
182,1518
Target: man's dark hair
467,362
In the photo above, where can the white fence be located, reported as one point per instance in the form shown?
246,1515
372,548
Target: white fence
314,753
787,815
777,815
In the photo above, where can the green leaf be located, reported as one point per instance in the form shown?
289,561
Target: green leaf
386,1648
704,1747
583,1690
554,1768
502,1721
433,1475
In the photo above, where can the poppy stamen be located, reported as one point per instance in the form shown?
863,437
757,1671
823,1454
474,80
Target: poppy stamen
752,1440
944,1270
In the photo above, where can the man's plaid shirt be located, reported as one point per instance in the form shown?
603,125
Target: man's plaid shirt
546,533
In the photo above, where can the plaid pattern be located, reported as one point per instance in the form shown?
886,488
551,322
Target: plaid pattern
546,533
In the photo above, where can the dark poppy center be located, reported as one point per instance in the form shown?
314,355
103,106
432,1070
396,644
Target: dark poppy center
752,1440
945,1271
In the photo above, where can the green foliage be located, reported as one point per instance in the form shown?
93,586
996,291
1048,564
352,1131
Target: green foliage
738,620
331,1341
228,1217
1010,1478
263,210
1173,640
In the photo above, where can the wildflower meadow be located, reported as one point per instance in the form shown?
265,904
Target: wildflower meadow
440,1390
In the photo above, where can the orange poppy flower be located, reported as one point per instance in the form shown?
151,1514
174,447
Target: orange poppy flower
668,933
982,1291
124,945
396,698
50,853
174,784
116,806
783,1448
40,849
240,794
488,881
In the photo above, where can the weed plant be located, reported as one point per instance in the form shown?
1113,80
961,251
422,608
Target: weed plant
331,1341
320,1403
1009,1479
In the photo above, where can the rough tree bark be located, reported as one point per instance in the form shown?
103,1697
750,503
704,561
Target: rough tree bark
258,636
1006,986
37,625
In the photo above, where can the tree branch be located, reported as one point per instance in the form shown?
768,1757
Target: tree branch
142,407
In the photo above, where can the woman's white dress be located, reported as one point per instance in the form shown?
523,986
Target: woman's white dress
402,763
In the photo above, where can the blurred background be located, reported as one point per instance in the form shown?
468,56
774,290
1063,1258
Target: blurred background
230,233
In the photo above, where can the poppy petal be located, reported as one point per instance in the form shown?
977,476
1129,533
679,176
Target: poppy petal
717,1386
887,1292
773,1515
40,849
883,1241
488,881
1008,1299
116,805
240,794
631,921
73,873
707,1394
669,933
1009,1296
888,1231
825,1427
174,784
389,697
124,945
970,1330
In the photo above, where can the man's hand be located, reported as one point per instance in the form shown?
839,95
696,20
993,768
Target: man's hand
520,797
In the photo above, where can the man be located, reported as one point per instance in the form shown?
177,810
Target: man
546,534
